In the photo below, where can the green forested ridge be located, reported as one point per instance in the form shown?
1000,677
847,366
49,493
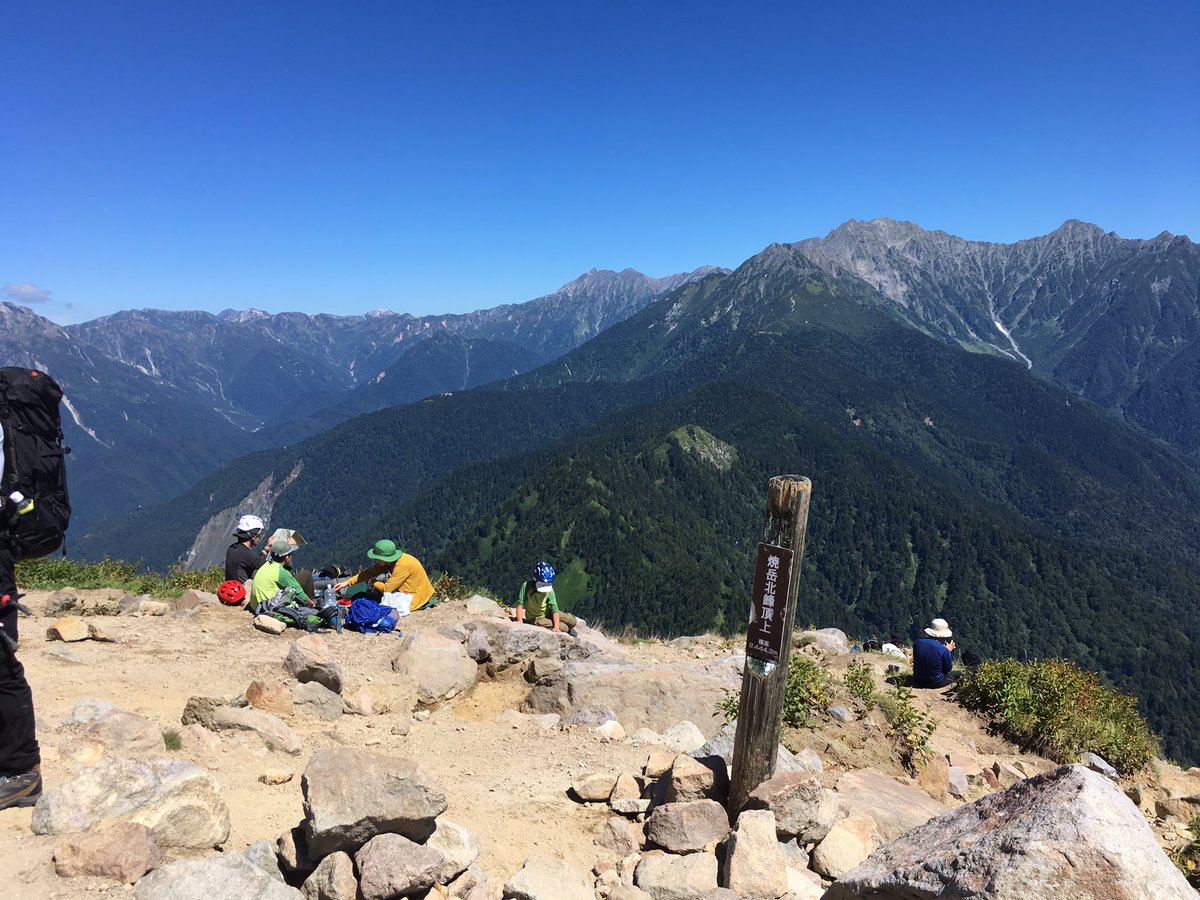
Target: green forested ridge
945,483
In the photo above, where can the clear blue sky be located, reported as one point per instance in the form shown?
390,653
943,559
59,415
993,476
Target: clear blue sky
435,157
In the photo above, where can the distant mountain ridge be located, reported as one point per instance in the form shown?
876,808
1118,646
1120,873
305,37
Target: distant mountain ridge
1112,319
158,398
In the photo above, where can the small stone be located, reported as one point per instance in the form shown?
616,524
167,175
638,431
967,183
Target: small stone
270,624
956,781
630,807
542,878
270,696
333,879
69,629
390,865
1098,764
362,703
611,731
123,851
658,763
276,776
691,779
685,736
848,843
841,713
100,635
422,715
626,788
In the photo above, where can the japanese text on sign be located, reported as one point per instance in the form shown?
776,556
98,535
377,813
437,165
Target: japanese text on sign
768,598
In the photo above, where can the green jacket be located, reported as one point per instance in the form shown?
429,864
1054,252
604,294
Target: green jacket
269,580
537,605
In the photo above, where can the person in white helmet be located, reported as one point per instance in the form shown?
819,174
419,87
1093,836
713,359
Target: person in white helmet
241,559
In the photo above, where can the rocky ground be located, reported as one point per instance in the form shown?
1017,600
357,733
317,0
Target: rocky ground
524,732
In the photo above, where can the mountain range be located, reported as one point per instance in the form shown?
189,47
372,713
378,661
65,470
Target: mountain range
951,476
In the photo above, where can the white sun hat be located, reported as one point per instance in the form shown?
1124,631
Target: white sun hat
940,628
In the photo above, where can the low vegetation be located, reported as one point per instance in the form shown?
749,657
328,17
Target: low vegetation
805,694
860,682
1188,858
1060,711
53,572
910,727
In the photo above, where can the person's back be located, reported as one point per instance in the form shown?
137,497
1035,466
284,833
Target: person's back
932,663
241,562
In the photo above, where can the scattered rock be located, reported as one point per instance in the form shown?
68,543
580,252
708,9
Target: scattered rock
459,847
276,776
352,795
270,696
1098,764
621,836
361,704
440,667
479,605
956,781
841,713
593,787
390,865
611,731
69,629
123,851
333,879
263,855
1068,833
269,728
849,842
696,779
667,877
934,778
270,624
99,634
688,827
212,878
311,660
626,787
124,732
317,700
803,809
542,878
177,801
148,607
895,807
755,867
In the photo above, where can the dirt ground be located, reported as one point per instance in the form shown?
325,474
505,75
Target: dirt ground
507,784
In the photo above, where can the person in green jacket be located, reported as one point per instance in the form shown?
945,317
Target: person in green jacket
275,576
536,600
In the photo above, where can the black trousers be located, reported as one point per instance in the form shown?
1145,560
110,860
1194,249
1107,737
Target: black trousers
18,743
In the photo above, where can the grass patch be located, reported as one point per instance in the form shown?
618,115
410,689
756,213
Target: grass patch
805,694
1060,711
172,740
53,572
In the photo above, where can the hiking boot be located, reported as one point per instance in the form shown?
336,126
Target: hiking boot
21,790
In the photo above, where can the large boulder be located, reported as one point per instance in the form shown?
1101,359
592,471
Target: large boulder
803,808
310,659
687,827
655,697
543,878
667,877
849,842
352,795
755,867
439,666
226,877
180,803
1069,833
390,865
895,807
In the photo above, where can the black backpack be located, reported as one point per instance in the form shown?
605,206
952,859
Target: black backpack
34,463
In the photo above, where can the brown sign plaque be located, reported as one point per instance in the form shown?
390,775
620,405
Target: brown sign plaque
768,597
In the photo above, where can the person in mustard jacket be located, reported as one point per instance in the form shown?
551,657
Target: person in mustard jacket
394,572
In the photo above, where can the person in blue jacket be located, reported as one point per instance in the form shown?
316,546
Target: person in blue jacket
933,665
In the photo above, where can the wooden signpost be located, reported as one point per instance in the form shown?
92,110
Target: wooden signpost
769,637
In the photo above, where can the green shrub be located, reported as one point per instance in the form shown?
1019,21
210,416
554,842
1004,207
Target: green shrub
1057,709
1188,858
910,727
860,682
54,572
806,692
172,740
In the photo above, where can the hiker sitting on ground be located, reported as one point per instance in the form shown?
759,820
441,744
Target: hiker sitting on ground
538,595
275,576
394,572
932,662
241,559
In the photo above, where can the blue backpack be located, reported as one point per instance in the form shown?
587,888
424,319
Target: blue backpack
370,617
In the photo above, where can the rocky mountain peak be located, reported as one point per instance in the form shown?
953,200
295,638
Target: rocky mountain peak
14,317
243,315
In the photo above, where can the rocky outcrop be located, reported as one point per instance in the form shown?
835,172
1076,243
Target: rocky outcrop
438,666
1068,833
212,878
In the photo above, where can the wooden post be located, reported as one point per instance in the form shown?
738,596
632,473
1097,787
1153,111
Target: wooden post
760,712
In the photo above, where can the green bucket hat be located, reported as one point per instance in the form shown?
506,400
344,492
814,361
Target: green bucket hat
385,551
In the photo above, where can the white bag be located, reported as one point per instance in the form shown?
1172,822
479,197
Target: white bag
399,601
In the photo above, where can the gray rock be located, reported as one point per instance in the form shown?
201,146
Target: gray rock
86,711
831,640
175,799
667,877
543,878
317,700
390,865
457,845
1067,833
629,807
479,648
755,867
802,808
263,854
352,795
310,659
333,879
225,877
542,668
269,728
956,781
123,851
593,787
895,807
478,605
270,625
193,599
849,842
439,667
687,827
621,836
841,713
515,644
199,711
588,716
123,732
1098,764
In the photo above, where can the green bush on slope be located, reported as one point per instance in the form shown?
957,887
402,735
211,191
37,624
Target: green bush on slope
1059,710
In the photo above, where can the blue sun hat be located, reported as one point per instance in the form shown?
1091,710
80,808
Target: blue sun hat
543,574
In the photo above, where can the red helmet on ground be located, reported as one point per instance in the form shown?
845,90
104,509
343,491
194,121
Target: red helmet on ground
231,592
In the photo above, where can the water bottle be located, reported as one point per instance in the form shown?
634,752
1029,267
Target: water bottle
23,504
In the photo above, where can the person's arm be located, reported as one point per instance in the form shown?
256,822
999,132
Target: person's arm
288,580
552,608
554,615
397,577
947,658
521,603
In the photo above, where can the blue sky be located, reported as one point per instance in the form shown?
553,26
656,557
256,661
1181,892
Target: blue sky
435,157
